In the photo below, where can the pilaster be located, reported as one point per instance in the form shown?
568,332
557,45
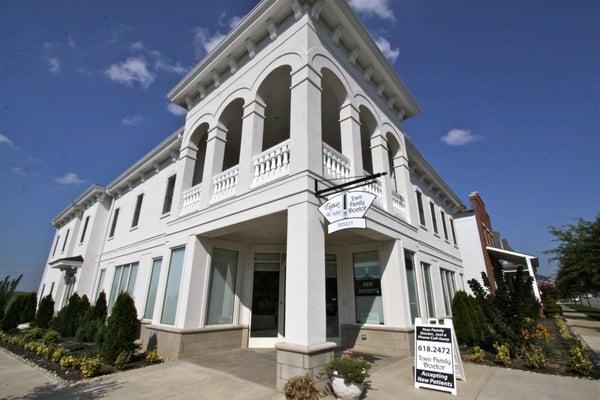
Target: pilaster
213,162
252,138
379,153
350,132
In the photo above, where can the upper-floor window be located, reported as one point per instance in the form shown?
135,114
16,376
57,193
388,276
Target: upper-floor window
65,242
55,245
138,209
443,215
421,210
113,226
433,218
452,229
85,225
169,194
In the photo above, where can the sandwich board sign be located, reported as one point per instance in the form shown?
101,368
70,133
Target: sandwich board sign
347,210
437,357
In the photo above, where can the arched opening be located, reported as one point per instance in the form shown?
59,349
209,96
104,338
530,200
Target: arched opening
333,96
274,92
198,139
393,151
368,126
231,121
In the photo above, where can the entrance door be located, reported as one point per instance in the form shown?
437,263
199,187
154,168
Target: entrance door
268,294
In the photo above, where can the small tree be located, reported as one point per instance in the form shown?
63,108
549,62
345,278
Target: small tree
28,306
7,288
45,312
468,319
13,314
121,330
100,308
66,321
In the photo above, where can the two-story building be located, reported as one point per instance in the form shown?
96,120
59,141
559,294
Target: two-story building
216,232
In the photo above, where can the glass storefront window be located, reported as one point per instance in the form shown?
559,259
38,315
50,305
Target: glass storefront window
426,268
172,290
123,281
449,289
152,289
411,278
331,296
222,287
367,288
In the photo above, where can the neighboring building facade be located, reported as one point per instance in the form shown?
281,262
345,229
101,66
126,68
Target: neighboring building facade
482,248
216,232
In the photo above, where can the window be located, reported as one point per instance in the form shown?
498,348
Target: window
169,195
411,280
421,210
443,216
113,226
367,288
331,296
152,289
70,284
123,281
138,208
433,218
449,289
172,290
65,242
85,225
55,245
452,229
426,270
100,285
221,294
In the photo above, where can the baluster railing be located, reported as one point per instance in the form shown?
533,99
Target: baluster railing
225,184
191,199
271,164
399,204
335,165
375,188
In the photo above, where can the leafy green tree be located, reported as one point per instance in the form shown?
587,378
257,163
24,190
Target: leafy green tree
7,288
578,254
468,319
45,312
121,330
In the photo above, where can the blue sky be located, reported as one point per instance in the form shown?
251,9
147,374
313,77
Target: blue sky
509,94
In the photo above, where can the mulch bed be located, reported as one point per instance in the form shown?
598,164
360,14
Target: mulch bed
558,364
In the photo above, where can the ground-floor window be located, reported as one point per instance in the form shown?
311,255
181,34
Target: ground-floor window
267,315
221,294
411,280
449,288
123,281
426,270
169,308
331,296
367,288
152,288
69,285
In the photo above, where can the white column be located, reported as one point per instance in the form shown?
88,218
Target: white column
379,153
213,163
394,285
350,132
185,175
405,188
534,284
305,121
305,320
252,138
191,293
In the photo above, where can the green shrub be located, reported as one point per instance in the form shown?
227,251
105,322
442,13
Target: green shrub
302,387
352,370
28,306
477,354
69,361
13,314
579,361
502,354
90,366
468,319
66,321
50,337
45,312
563,328
121,330
123,359
34,334
7,288
535,357
152,356
59,353
100,308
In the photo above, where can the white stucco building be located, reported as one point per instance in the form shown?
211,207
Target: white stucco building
216,232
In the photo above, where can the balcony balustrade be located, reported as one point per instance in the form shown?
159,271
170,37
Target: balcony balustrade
225,184
271,164
335,165
399,204
191,199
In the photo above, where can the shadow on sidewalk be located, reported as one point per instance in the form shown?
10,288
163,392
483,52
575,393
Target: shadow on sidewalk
76,391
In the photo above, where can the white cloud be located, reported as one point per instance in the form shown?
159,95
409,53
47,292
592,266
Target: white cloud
132,70
5,140
161,62
22,171
459,137
204,41
138,46
175,109
70,178
53,64
132,120
234,21
391,53
370,8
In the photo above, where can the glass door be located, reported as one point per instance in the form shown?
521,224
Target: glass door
268,294
331,298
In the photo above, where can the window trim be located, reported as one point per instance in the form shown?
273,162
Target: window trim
433,217
113,225
62,250
85,226
169,192
135,221
445,228
453,231
421,208
56,245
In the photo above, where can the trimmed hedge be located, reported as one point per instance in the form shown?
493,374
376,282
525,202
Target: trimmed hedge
121,331
28,307
468,319
45,312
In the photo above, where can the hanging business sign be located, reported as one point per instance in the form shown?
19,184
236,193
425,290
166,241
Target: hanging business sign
347,210
437,361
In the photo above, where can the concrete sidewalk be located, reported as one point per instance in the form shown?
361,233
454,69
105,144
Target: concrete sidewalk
245,374
587,328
